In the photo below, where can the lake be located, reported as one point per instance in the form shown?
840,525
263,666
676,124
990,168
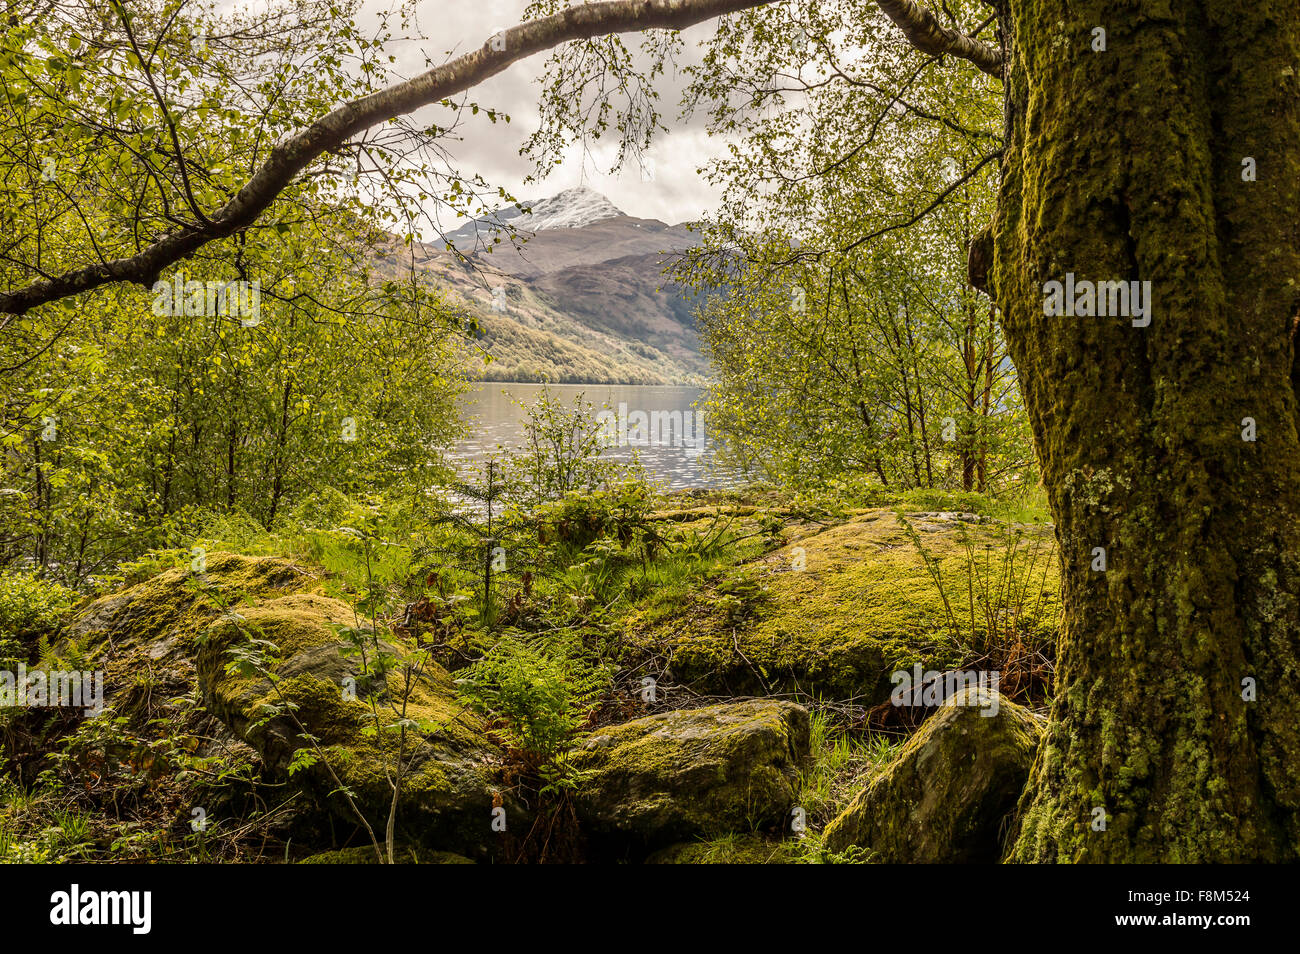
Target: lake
679,442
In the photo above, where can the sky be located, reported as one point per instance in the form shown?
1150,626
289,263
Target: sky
675,194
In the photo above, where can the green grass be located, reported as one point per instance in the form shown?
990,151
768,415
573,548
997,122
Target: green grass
841,762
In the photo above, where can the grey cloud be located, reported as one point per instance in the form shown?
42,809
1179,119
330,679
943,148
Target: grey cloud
677,193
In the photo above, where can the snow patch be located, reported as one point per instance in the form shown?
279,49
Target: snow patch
570,209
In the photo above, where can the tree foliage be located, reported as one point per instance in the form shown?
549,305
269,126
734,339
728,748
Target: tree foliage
856,176
125,416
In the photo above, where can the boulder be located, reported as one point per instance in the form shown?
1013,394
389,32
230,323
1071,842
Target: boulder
697,772
188,628
833,613
143,638
150,627
449,781
946,795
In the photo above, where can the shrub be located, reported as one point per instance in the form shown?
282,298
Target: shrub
577,519
29,609
561,453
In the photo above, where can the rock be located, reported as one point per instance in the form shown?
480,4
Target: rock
170,625
946,795
678,775
447,791
928,519
143,638
833,614
862,607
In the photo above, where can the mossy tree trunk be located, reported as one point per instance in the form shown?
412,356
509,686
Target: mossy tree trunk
1127,164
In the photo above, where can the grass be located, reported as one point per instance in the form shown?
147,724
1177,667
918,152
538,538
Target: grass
1001,602
1031,506
842,759
44,826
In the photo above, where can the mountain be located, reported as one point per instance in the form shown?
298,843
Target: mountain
572,208
584,295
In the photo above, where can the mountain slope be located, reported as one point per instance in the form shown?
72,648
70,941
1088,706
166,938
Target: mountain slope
584,296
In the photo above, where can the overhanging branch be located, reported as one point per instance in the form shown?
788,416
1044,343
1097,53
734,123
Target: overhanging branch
924,31
288,158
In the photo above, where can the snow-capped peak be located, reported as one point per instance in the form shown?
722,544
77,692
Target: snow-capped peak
570,209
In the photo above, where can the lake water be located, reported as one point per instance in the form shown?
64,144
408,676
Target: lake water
679,458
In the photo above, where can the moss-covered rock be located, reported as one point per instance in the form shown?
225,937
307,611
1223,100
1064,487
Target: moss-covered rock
143,636
679,775
946,795
177,604
450,766
833,613
187,628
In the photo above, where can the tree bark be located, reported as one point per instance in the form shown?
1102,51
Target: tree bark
924,31
1127,165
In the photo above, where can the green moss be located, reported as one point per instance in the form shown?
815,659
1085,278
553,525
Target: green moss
189,628
445,757
863,606
708,771
173,604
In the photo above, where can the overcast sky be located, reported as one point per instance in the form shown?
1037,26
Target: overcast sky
676,193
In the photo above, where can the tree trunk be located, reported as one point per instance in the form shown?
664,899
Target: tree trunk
278,464
1128,165
970,396
232,440
991,360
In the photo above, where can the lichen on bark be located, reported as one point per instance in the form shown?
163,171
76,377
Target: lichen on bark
1125,164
